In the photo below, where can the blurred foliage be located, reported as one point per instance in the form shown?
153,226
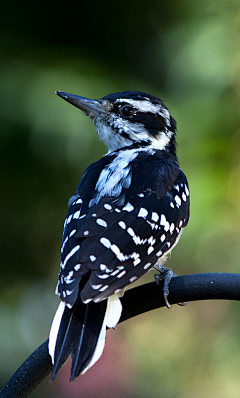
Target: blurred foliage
187,53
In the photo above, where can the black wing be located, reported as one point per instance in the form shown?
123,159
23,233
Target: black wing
115,245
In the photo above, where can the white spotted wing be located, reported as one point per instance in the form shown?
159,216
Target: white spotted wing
113,245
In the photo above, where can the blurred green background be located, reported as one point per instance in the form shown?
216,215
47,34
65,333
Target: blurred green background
187,53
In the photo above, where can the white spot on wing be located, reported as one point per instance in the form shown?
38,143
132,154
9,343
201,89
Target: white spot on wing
115,272
163,220
101,222
72,252
107,206
131,231
128,207
68,282
105,242
68,220
63,244
150,250
163,237
184,197
151,240
122,224
137,240
132,279
87,301
143,212
155,216
166,226
121,274
104,276
96,287
136,262
146,266
104,288
178,200
68,277
172,227
76,214
103,267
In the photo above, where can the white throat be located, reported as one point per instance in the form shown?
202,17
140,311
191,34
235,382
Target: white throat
136,131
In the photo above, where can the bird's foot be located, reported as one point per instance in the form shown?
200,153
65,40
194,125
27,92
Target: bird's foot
165,274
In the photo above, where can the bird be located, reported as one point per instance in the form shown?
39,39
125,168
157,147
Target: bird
128,212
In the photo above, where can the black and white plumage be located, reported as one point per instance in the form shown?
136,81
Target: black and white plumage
127,214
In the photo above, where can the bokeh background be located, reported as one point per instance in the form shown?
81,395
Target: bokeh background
184,51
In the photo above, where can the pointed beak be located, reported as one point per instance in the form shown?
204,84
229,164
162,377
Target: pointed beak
89,107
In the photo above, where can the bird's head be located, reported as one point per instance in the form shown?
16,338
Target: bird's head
129,118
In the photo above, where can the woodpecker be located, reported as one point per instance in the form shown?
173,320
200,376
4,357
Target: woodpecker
128,212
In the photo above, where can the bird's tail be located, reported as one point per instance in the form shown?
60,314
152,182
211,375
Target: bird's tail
80,331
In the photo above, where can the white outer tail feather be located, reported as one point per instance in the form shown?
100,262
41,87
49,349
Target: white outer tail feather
54,329
112,316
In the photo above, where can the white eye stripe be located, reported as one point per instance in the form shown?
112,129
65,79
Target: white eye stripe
146,106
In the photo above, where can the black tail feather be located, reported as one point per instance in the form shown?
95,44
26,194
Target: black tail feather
78,335
83,351
65,340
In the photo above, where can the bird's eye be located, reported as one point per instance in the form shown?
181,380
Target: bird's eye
127,111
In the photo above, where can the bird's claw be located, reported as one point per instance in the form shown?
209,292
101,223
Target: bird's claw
166,274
